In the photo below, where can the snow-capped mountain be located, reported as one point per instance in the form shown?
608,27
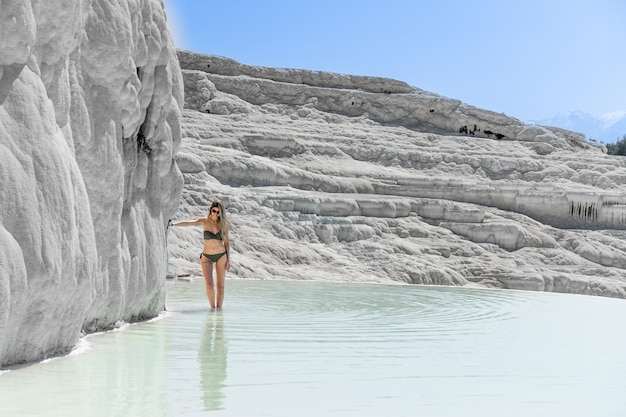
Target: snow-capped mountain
605,128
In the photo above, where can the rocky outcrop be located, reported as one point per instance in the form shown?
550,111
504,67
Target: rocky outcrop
337,177
90,106
382,100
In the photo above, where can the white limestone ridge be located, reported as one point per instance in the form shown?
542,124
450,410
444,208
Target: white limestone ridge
338,177
90,103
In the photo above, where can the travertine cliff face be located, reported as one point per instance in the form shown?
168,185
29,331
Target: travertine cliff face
90,105
339,177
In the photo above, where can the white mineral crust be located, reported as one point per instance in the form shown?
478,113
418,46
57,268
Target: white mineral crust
90,103
325,176
338,177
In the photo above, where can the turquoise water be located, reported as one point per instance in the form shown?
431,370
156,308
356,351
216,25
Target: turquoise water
313,349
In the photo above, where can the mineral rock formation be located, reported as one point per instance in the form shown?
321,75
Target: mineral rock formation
90,103
337,177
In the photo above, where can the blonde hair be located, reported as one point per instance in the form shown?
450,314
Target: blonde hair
223,218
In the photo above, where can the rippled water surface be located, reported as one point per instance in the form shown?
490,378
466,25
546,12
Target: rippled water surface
312,349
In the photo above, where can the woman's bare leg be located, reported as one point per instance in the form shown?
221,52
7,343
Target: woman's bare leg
207,271
220,270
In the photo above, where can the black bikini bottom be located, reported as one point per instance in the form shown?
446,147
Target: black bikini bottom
213,257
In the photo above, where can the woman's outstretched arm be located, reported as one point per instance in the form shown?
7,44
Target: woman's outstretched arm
196,222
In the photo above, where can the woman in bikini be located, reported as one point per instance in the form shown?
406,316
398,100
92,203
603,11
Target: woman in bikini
216,250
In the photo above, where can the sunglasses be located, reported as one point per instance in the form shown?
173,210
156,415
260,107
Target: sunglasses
215,211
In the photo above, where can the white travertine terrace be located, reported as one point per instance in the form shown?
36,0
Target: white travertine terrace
90,105
338,177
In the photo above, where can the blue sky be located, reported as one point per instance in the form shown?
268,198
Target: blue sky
530,59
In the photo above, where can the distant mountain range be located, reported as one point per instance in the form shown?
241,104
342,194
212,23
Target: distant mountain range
606,128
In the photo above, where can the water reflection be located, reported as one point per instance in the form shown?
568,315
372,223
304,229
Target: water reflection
123,371
213,361
343,350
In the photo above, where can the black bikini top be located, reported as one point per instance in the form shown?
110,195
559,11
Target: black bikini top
209,235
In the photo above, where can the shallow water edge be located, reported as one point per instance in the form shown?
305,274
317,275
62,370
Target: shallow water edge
311,348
